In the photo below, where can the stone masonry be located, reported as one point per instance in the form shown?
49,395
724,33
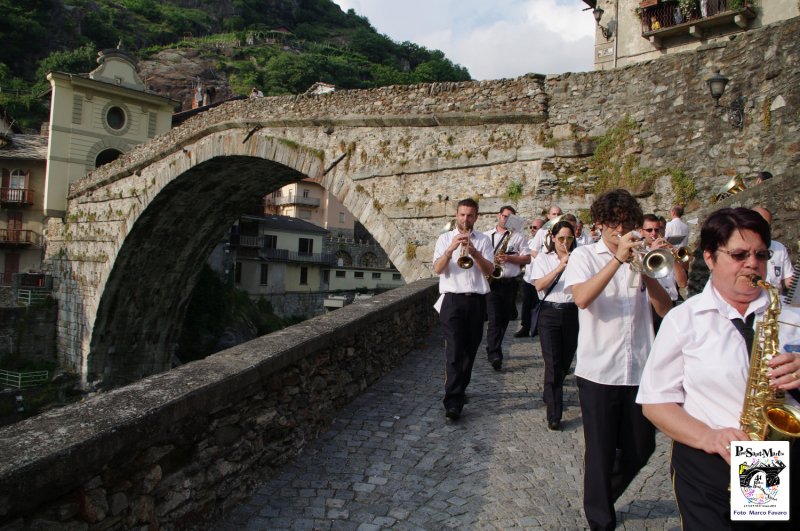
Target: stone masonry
398,158
175,449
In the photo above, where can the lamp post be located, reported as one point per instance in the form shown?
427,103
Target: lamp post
598,14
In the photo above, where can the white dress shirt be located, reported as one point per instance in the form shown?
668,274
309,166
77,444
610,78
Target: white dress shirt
669,285
542,265
584,238
616,329
456,280
676,227
699,358
516,245
779,267
537,242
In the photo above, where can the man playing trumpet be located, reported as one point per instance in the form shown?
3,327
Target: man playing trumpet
462,259
677,278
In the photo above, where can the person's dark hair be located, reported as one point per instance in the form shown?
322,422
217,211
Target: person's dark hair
652,218
617,206
764,175
720,225
569,217
468,202
677,210
507,207
550,245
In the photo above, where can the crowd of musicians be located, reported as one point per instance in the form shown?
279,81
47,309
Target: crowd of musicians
646,356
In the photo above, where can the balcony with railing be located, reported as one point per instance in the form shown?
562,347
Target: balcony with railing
292,256
663,19
16,196
293,200
20,238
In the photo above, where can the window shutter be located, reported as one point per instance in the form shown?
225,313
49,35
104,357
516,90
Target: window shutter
6,177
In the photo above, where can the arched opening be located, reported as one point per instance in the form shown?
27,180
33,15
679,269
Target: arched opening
106,156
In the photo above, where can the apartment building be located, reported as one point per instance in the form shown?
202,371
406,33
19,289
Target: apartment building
630,31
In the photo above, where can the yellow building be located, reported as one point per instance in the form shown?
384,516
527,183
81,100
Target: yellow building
630,31
96,117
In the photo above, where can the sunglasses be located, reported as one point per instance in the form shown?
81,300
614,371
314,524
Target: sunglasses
626,225
534,227
650,230
562,239
741,256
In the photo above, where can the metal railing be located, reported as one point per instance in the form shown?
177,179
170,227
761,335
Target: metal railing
667,14
22,380
293,200
20,237
27,297
16,195
291,256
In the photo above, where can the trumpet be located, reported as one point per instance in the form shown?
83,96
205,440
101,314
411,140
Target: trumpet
465,261
658,263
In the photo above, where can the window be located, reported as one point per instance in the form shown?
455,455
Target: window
341,217
305,246
305,192
376,276
14,187
237,274
396,276
115,117
341,274
358,274
264,275
303,276
270,241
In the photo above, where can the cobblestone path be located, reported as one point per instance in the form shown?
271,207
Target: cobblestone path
391,461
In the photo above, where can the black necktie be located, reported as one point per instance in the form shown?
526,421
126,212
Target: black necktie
746,329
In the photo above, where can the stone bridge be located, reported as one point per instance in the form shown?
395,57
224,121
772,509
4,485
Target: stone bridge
136,232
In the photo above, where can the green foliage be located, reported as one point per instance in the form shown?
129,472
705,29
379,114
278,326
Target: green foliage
616,163
326,45
514,190
682,186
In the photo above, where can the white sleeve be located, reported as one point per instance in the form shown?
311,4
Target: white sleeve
662,379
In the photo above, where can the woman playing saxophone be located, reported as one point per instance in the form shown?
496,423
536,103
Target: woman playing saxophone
696,376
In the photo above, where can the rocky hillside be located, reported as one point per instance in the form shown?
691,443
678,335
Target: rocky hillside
280,46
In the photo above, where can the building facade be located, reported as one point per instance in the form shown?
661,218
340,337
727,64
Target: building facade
96,117
630,31
309,201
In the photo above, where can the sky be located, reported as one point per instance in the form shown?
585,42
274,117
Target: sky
493,39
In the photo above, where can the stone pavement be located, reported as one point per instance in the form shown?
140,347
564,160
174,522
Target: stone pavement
390,460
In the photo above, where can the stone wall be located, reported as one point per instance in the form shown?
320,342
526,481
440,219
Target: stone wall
175,449
28,333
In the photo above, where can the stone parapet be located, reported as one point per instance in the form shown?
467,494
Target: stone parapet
177,448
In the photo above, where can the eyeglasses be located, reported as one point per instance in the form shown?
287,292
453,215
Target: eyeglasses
626,225
741,256
562,239
534,227
654,229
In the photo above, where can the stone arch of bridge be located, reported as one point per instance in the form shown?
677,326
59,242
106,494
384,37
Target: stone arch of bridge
127,294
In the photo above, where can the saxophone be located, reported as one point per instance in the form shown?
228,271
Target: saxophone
765,416
497,272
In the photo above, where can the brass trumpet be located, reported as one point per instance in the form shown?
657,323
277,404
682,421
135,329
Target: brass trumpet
465,261
658,263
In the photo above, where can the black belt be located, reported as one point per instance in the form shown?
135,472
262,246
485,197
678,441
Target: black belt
559,305
465,294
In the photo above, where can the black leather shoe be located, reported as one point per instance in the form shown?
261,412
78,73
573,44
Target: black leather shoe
497,364
554,425
523,332
452,414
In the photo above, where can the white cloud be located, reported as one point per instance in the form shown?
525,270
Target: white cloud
501,38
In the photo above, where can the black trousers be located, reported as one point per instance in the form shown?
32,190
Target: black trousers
701,482
499,304
462,318
530,298
619,440
558,335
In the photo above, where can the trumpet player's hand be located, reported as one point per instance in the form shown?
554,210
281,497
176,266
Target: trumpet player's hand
660,243
785,371
457,242
625,245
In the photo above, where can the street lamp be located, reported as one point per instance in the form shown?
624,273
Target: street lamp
716,85
598,14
